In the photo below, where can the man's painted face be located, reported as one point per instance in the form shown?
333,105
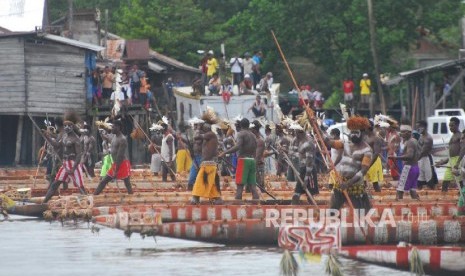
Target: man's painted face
68,128
420,129
355,136
453,127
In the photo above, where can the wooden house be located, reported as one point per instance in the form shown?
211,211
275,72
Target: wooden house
42,75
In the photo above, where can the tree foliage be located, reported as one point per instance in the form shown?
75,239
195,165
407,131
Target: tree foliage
331,34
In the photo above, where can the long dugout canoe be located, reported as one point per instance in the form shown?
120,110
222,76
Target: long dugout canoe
441,230
170,189
182,213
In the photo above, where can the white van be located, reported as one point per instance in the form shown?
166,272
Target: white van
438,128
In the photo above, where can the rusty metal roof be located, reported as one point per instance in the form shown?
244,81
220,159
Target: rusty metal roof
136,49
115,49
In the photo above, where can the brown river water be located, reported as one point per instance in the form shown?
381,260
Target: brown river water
35,247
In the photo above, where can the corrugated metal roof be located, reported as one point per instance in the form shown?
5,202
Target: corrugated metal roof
173,62
73,42
428,69
4,30
137,49
156,67
434,68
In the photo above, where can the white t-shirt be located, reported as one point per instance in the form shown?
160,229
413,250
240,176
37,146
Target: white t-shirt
248,64
119,95
236,65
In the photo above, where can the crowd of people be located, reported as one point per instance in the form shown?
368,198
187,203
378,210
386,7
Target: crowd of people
210,147
121,87
220,77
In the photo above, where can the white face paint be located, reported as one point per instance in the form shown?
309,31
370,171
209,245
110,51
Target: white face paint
355,136
68,128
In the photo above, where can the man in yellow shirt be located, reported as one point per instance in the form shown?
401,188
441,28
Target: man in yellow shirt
212,65
365,90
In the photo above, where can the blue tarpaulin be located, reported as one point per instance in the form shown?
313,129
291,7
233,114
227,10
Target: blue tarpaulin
91,63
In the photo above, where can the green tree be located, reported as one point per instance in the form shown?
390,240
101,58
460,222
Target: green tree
177,28
334,33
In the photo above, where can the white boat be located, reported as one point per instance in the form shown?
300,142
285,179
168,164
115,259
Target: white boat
189,106
438,128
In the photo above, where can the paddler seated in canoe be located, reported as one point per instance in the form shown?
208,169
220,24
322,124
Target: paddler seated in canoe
71,168
121,167
354,164
207,182
246,146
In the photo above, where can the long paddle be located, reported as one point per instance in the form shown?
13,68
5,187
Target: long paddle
319,136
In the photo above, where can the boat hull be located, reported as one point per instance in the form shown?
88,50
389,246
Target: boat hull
438,260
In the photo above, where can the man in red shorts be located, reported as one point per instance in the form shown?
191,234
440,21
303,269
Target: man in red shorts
246,147
121,168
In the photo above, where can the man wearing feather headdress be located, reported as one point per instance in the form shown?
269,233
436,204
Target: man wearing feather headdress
355,162
408,180
375,173
121,167
259,156
305,147
168,154
72,152
246,166
106,135
270,144
183,157
196,152
207,182
154,148
89,144
54,154
282,145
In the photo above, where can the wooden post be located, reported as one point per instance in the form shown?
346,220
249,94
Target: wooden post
34,146
70,18
371,21
19,136
106,34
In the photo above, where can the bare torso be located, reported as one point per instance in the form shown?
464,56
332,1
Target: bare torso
454,145
247,144
209,146
119,145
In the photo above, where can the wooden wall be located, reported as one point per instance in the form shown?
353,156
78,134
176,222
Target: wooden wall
12,77
55,77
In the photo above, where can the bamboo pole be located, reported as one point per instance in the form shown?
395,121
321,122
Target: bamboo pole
414,111
316,129
311,115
